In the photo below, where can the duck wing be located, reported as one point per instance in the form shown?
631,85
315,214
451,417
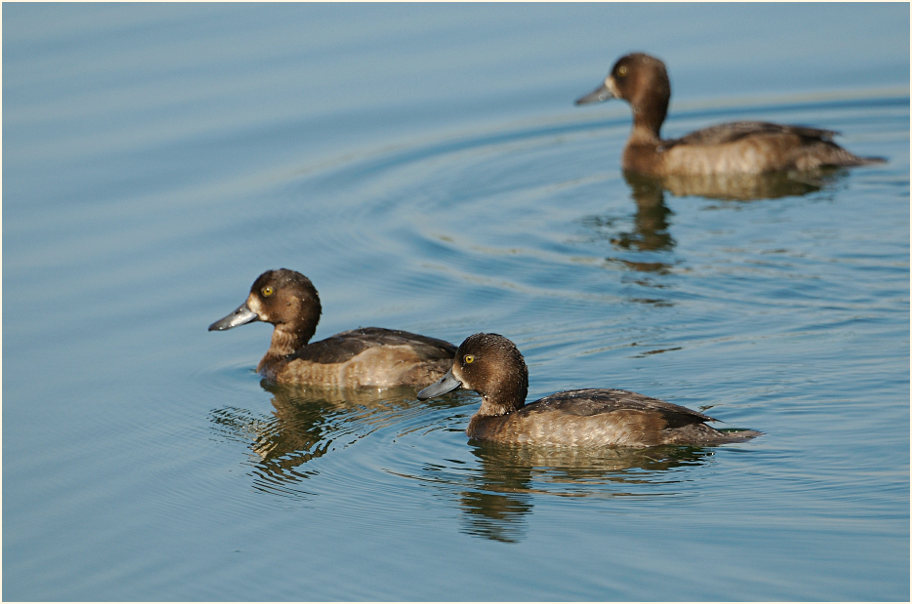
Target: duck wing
597,401
732,131
347,344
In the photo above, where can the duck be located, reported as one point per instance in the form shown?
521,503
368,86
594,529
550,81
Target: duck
365,357
744,147
491,365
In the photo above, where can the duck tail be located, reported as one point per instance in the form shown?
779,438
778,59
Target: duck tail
738,436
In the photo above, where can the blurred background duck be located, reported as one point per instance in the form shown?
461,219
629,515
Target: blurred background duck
746,147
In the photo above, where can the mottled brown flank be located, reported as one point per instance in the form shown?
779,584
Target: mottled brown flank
748,147
370,356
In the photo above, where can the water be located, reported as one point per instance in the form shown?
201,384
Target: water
424,165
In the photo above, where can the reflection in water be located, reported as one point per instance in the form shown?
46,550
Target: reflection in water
651,230
306,424
739,187
652,218
497,500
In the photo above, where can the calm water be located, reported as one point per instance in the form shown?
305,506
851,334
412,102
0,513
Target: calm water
425,166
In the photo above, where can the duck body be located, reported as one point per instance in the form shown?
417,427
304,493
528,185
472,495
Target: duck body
492,366
593,417
365,357
369,356
745,147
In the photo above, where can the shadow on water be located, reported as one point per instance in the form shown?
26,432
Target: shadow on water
499,496
307,423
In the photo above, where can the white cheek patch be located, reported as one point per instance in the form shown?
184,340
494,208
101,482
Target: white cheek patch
611,86
254,304
457,372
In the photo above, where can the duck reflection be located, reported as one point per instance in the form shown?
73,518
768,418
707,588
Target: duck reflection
307,423
739,187
652,219
650,240
500,496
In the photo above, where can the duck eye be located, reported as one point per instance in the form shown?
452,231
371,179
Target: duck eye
622,70
469,358
267,291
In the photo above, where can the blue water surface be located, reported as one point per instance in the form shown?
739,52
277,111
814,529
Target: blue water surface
425,166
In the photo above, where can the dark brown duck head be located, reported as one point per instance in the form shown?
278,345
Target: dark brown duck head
642,81
492,366
285,298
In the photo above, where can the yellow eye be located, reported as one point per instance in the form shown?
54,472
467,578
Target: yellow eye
267,291
622,70
469,358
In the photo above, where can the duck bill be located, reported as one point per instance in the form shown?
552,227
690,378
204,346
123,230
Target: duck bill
600,94
447,383
239,316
